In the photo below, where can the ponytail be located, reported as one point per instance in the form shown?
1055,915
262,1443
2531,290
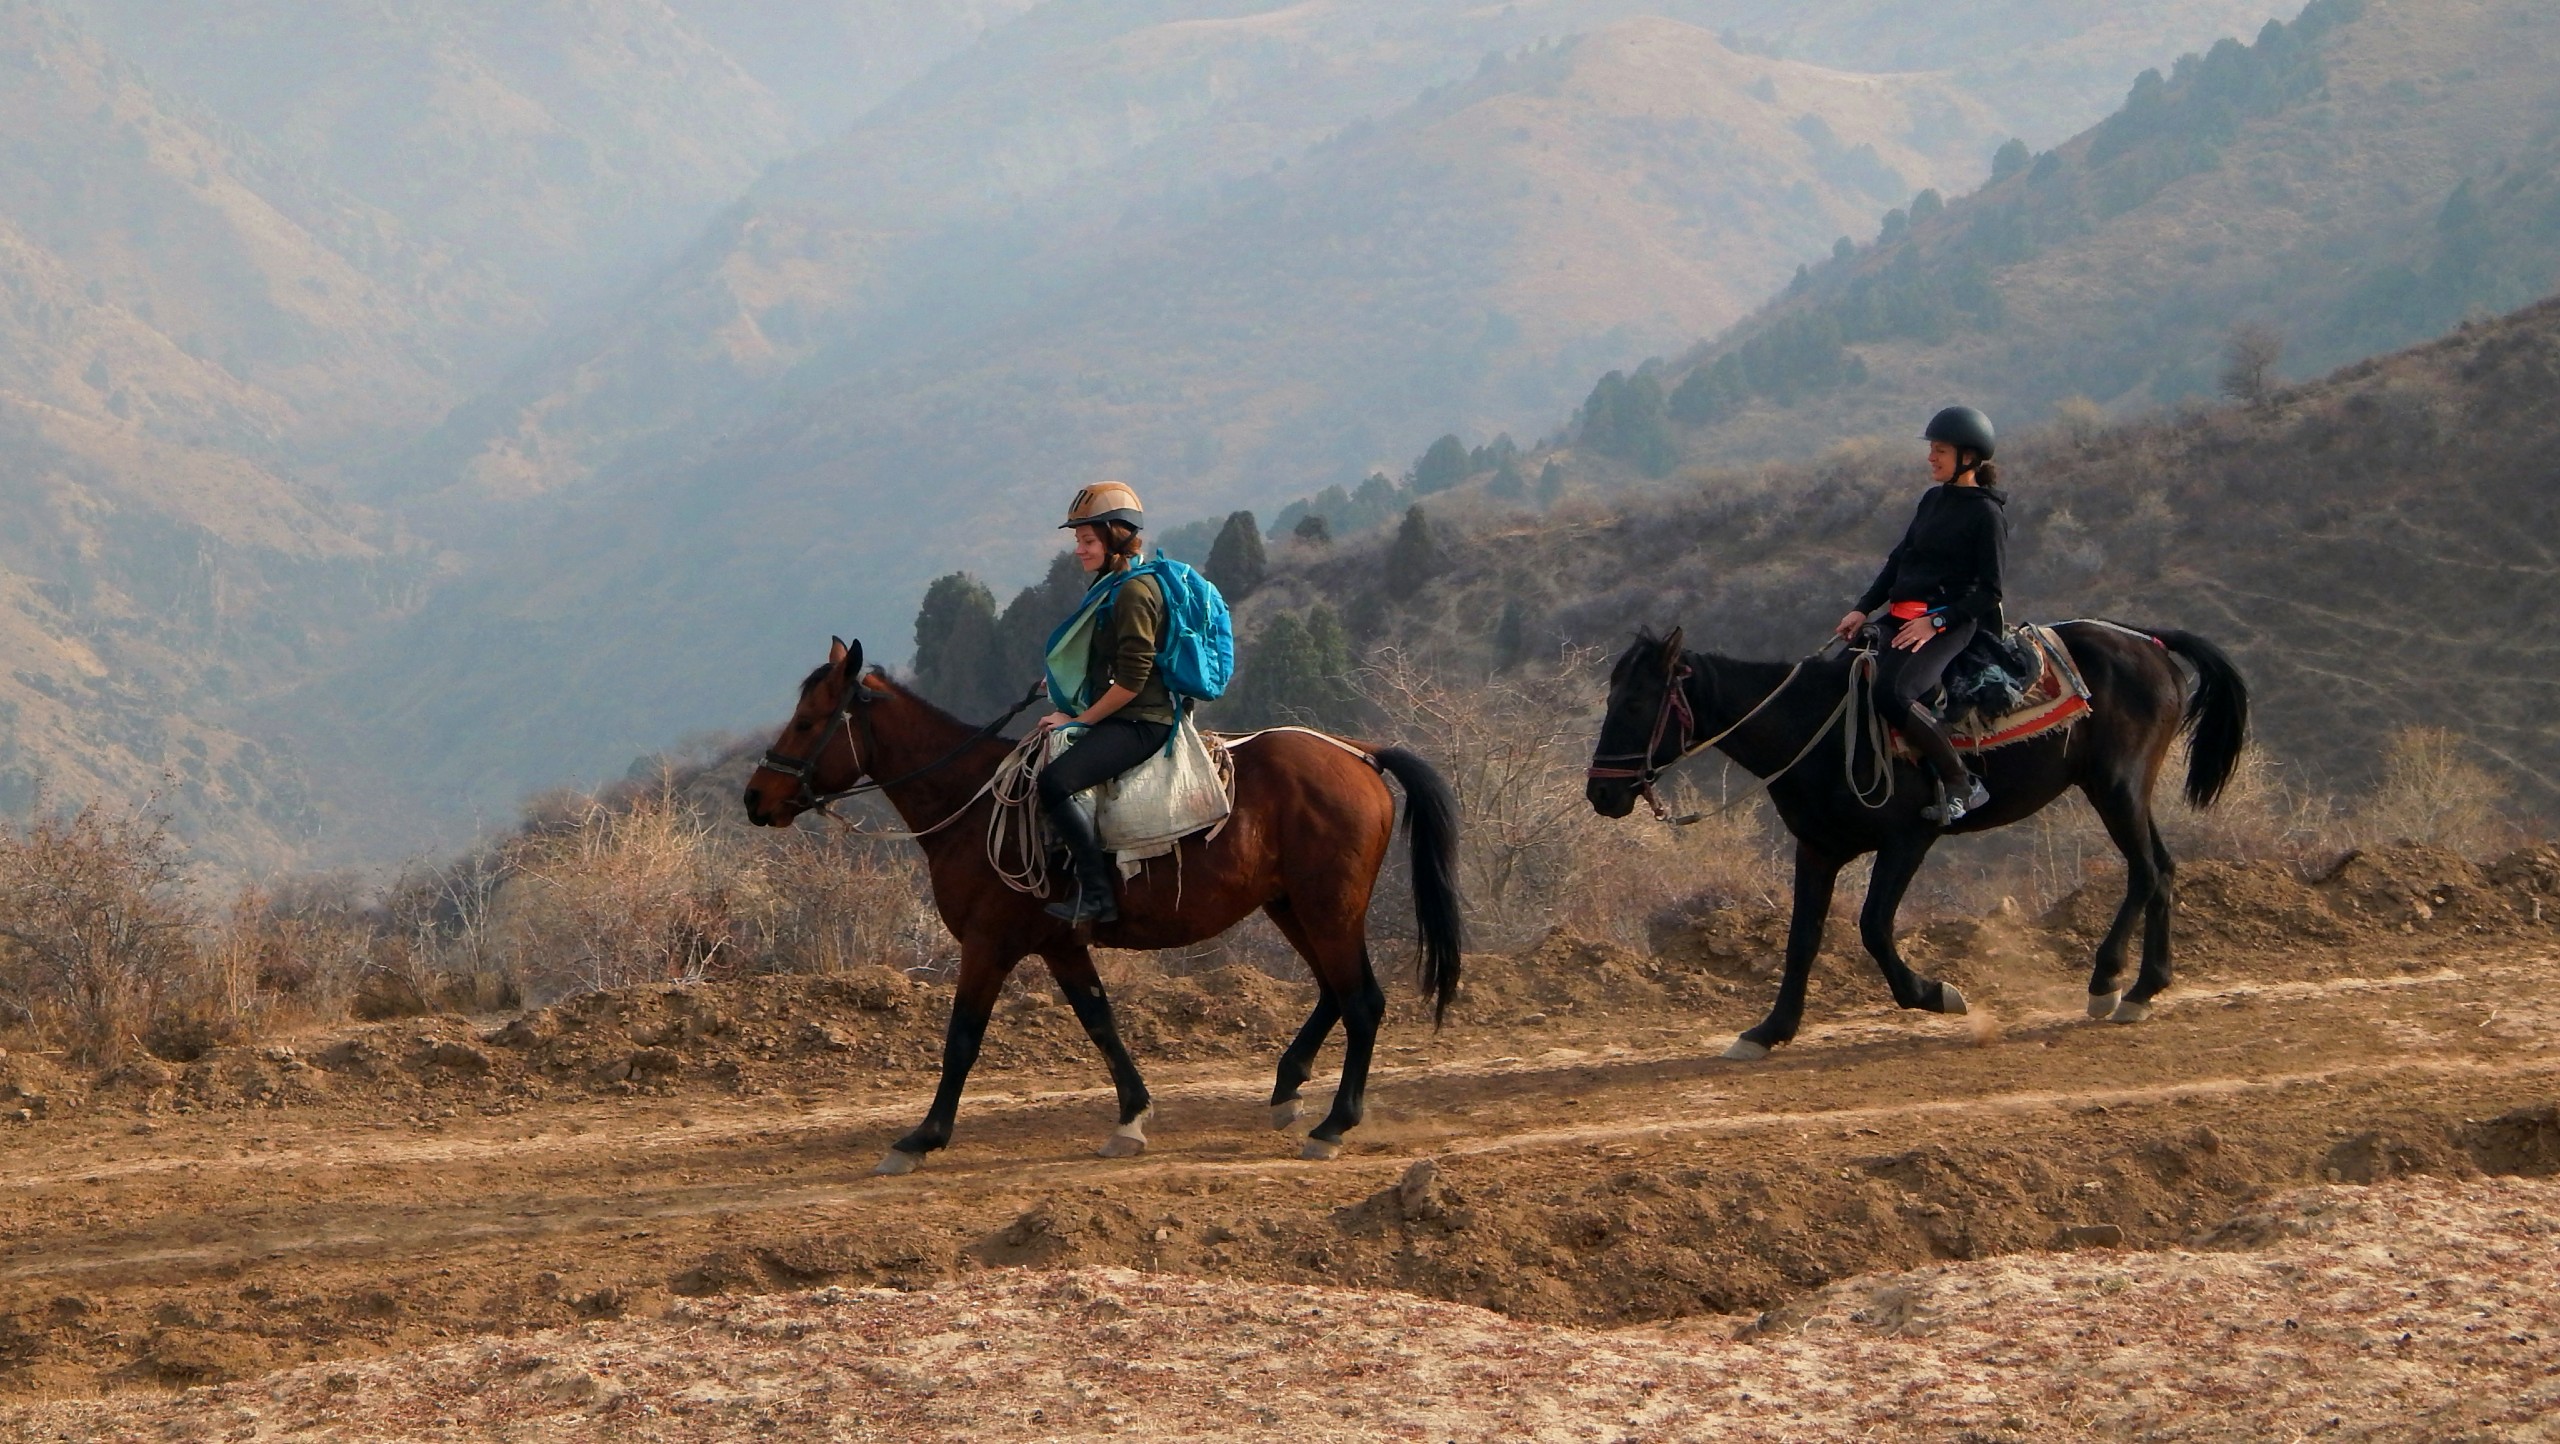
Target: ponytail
1986,473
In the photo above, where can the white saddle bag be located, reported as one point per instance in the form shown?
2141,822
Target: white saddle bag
1143,812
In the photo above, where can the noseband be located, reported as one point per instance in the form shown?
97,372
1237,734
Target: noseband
802,769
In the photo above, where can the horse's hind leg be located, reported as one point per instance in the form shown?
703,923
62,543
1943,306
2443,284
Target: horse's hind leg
1896,865
2127,816
983,969
1298,1064
1072,965
1347,992
2154,979
1364,1005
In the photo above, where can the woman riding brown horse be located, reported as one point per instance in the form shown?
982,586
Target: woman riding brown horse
1309,832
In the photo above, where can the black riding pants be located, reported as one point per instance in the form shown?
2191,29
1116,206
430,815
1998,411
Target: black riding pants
1107,749
1902,678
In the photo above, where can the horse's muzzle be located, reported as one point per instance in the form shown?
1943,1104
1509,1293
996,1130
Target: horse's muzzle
1610,796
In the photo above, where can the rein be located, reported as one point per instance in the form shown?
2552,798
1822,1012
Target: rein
1676,708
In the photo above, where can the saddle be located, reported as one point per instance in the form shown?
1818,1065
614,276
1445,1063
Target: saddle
2005,688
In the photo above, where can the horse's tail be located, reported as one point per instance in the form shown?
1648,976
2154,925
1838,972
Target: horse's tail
1431,820
2217,721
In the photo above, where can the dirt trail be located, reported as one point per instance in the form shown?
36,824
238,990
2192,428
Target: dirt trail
407,1185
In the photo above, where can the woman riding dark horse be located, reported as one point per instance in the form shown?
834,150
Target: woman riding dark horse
1841,800
1104,667
1939,588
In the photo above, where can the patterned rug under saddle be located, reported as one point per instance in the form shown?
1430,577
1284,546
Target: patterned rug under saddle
2008,689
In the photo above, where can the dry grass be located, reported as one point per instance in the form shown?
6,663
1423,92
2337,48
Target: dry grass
106,949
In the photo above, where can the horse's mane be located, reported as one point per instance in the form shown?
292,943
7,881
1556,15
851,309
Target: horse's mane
880,680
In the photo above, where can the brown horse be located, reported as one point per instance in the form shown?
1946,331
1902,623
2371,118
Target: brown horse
1309,832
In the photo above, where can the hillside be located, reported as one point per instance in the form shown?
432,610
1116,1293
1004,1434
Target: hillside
860,379
2357,181
2372,548
559,145
1082,142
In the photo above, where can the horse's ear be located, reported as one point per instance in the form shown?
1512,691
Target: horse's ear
837,652
1671,647
849,658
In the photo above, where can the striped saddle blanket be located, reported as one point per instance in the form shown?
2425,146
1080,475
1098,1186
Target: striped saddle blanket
2031,690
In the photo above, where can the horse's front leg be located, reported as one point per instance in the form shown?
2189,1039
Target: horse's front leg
1071,964
1816,874
984,965
1895,867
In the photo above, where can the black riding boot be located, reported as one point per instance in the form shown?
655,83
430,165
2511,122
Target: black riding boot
1092,901
1959,791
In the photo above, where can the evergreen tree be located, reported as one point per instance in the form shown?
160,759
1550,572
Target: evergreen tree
1237,563
1625,418
1415,557
1022,633
956,658
1441,467
1511,636
1550,484
1295,670
2009,160
1313,530
1509,482
1927,206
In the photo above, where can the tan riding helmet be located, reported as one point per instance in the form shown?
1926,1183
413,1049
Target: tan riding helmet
1106,501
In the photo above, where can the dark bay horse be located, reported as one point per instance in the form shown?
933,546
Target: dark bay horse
1309,832
1663,701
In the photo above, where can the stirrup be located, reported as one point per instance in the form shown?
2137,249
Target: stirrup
1948,811
1076,910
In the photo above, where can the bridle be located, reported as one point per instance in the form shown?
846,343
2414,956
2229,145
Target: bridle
1676,710
852,714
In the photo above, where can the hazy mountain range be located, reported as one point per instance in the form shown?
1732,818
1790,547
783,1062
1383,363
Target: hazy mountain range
407,411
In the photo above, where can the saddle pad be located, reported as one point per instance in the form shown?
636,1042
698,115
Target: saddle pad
1144,811
2058,698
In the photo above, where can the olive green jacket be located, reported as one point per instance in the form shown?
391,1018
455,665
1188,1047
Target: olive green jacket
1124,653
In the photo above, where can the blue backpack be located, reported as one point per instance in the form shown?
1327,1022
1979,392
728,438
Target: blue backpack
1198,656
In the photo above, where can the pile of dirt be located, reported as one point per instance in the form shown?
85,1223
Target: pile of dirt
2408,897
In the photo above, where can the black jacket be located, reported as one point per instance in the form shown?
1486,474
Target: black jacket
1952,558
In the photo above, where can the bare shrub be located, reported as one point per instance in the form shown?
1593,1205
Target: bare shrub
606,898
2431,793
833,902
2249,360
2260,817
1535,856
96,927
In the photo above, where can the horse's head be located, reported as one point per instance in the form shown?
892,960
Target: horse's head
1639,734
815,754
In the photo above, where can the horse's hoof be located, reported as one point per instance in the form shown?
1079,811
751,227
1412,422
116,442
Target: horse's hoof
1318,1151
1129,1139
897,1162
1950,1001
1285,1113
1746,1051
2103,1005
2129,1011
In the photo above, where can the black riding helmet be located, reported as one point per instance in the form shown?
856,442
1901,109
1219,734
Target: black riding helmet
1963,428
